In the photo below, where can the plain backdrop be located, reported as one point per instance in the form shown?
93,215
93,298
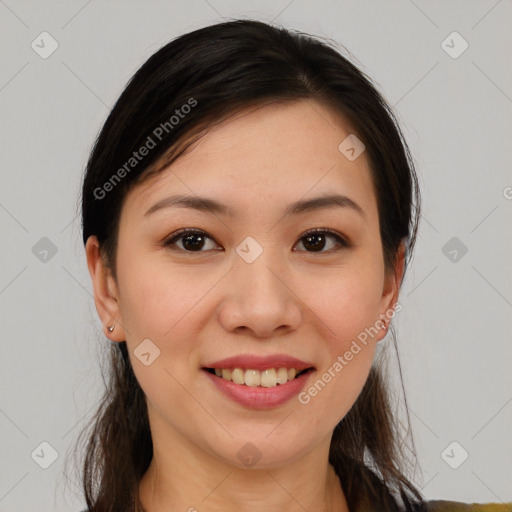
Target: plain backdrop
454,104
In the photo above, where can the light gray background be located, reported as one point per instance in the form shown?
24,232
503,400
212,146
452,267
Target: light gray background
454,330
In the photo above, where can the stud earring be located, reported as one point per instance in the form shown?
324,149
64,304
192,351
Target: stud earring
111,328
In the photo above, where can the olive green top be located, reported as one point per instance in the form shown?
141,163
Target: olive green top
455,506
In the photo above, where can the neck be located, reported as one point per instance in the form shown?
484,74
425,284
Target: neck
185,478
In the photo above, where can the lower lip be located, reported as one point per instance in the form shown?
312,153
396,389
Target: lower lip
260,397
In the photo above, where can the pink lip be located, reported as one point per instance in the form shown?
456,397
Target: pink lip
260,397
254,362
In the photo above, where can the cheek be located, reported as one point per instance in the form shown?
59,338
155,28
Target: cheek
167,307
349,303
155,300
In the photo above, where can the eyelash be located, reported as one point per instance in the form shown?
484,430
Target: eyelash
341,240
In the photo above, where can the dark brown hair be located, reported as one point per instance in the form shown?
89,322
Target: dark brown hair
193,82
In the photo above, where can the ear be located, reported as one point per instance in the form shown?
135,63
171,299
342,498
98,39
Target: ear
391,291
105,291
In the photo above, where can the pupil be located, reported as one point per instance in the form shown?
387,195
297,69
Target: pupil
318,242
190,245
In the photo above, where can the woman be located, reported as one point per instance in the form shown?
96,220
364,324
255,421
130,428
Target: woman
249,210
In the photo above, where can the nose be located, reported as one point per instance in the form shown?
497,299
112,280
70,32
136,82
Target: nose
259,300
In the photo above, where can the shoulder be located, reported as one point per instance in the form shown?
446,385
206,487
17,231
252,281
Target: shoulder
456,506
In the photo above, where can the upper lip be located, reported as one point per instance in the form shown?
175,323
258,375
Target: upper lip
256,362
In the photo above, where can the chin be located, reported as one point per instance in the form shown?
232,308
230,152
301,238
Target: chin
260,452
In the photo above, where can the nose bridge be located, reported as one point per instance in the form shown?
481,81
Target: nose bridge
260,300
256,267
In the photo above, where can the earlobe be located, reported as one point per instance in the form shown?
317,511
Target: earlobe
105,291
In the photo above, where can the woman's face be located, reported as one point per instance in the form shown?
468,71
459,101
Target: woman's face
253,286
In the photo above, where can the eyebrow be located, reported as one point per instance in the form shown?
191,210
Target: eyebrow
211,206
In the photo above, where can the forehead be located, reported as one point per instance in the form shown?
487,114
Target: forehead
272,154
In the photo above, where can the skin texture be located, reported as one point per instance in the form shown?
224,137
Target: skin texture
198,307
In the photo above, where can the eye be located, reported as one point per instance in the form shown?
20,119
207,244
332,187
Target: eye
315,240
194,240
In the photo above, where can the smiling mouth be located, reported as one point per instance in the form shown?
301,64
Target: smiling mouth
269,378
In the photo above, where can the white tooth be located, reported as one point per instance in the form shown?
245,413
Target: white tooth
237,376
269,378
226,373
291,373
218,372
252,377
282,376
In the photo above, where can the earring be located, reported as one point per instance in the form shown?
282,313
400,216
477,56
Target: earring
111,328
384,326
